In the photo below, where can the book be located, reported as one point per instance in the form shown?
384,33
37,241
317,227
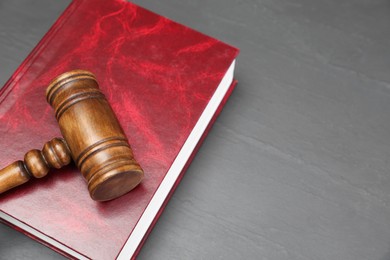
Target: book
165,82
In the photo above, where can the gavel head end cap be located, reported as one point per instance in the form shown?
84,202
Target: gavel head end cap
61,80
115,183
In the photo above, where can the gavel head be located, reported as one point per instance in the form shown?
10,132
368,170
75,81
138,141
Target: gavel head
94,136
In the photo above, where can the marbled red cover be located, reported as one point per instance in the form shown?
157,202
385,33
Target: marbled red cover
158,76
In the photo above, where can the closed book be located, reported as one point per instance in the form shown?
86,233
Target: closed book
166,84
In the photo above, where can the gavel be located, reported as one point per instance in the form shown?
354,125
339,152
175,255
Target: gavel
92,137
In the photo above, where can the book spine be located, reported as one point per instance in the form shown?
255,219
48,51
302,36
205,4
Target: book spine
18,75
24,66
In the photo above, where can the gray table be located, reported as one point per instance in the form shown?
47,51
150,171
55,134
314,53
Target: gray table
297,165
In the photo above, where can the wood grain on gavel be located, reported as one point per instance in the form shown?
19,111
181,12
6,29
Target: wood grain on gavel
92,136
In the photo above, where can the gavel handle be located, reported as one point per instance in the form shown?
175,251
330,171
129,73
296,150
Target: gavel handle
54,154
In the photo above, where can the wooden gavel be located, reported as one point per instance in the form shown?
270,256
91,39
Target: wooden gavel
92,136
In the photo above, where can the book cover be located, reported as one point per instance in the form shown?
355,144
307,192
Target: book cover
165,82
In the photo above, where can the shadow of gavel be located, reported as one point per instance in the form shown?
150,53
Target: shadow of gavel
92,137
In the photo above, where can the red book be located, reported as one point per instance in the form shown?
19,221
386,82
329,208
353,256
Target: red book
166,84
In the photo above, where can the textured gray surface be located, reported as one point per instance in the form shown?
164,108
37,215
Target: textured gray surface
297,165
